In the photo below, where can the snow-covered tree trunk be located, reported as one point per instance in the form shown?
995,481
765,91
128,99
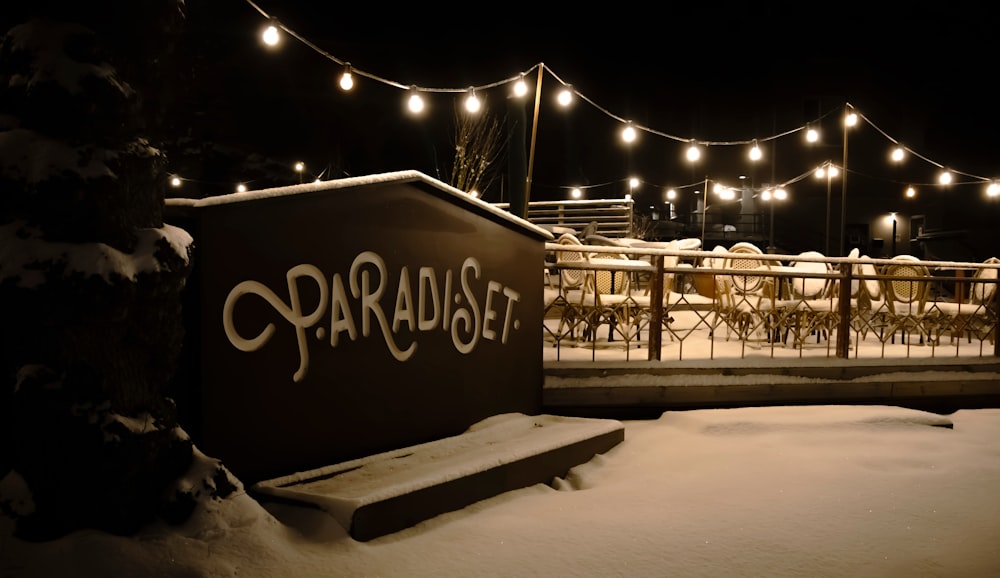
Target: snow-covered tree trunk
90,276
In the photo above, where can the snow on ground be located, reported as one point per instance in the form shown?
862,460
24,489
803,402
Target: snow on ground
777,491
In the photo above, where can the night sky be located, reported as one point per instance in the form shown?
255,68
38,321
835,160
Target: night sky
715,73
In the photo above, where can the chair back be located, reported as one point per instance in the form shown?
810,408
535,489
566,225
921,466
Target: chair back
985,287
689,244
869,287
610,282
911,293
810,287
744,284
715,262
571,278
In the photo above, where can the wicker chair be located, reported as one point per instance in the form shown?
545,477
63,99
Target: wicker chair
974,317
740,304
906,284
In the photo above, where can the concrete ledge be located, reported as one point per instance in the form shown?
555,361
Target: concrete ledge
388,492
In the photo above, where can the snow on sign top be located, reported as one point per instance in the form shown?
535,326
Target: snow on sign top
353,182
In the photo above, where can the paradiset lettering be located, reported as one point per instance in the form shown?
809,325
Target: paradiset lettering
432,309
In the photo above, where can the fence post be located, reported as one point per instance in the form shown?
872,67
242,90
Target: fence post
991,307
655,328
844,300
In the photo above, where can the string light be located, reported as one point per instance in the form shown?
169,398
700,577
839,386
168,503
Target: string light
472,103
272,37
671,194
827,169
693,152
575,192
520,87
628,133
175,181
241,188
346,80
911,192
993,189
566,96
415,103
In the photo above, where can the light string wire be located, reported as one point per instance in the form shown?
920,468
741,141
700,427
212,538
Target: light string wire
918,155
522,75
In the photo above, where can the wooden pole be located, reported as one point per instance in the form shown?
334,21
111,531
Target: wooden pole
534,138
655,328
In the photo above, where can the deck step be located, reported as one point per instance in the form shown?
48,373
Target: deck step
384,493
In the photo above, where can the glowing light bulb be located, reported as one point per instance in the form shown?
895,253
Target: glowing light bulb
576,193
671,194
346,79
175,181
755,153
911,192
241,188
993,189
474,193
693,153
520,87
633,183
851,119
812,135
271,36
780,194
565,96
472,103
415,102
300,166
945,177
628,133
766,195
898,153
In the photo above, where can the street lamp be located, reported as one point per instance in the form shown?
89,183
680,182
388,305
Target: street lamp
829,171
770,196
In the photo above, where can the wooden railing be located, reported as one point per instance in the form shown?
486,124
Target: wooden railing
613,217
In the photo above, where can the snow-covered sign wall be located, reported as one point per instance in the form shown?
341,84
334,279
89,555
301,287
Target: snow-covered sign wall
334,320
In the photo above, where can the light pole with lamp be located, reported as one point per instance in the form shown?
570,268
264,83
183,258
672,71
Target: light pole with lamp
850,119
770,196
829,171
